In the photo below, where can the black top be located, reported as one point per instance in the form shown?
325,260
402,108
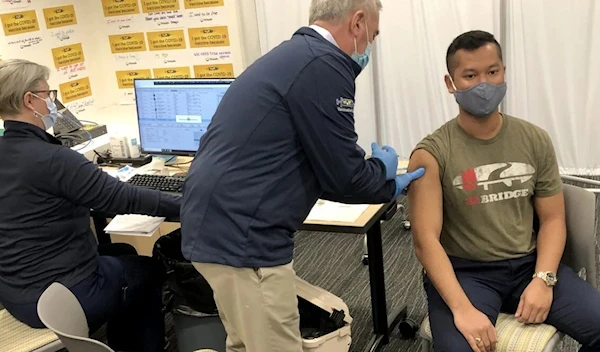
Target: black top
46,192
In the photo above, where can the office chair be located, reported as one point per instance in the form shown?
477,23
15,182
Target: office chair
60,311
580,255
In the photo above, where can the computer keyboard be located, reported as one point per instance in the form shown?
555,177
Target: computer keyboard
163,183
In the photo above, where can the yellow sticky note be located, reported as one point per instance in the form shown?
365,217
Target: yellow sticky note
124,43
172,72
119,7
159,5
19,22
125,78
60,16
206,37
74,90
196,4
166,40
214,71
68,55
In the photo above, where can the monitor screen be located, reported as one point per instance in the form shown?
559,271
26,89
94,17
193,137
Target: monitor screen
173,114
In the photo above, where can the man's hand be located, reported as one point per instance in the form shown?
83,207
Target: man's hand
402,181
388,156
477,328
535,303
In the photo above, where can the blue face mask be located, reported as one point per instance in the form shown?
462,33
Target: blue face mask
50,119
362,59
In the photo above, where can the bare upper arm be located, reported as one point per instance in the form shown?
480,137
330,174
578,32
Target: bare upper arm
548,208
425,198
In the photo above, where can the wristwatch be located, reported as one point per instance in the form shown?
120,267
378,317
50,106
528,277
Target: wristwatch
548,276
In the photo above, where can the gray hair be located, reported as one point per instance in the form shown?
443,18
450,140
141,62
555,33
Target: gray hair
18,77
335,10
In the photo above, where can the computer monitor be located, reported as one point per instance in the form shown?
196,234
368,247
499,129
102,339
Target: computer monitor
173,114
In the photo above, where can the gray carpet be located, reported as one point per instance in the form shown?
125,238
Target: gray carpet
333,262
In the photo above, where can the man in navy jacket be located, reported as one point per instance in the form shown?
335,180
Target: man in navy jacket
282,137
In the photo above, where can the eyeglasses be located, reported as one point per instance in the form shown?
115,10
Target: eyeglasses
51,93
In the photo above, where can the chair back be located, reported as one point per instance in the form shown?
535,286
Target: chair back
580,214
60,311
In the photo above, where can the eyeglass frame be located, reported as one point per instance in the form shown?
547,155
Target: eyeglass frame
52,93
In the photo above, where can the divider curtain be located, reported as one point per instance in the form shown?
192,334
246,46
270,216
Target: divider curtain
549,49
553,62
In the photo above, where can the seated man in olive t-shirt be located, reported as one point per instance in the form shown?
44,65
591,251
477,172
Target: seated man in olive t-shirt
472,216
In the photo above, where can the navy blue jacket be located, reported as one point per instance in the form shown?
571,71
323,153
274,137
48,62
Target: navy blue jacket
46,192
282,137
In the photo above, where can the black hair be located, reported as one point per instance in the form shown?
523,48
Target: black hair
469,41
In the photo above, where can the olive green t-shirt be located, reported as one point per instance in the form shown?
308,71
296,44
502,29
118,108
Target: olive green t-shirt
488,187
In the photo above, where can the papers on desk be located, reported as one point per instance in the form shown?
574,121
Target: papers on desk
133,225
332,211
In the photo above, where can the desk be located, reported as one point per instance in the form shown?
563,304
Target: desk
368,223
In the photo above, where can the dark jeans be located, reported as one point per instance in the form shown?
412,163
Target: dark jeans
497,286
125,292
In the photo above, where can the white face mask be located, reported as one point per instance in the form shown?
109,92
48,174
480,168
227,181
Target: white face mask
50,119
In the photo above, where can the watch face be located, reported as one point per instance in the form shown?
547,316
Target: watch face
551,278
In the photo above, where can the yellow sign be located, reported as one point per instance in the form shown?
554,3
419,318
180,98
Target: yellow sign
214,71
172,72
125,78
209,37
60,16
196,4
74,90
159,5
19,22
166,40
120,7
124,43
67,55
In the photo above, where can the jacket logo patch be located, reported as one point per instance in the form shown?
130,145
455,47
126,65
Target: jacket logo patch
344,104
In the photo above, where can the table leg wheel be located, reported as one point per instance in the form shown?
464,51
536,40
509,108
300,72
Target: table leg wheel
408,329
365,259
406,224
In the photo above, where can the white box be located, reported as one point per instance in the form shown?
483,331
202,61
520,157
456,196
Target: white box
335,341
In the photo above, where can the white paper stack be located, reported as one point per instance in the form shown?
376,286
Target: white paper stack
134,225
332,211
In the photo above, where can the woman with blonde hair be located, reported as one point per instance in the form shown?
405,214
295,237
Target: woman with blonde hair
46,193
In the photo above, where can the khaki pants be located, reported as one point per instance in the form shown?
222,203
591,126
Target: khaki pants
258,307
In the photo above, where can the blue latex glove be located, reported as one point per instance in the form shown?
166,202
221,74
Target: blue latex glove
389,157
402,181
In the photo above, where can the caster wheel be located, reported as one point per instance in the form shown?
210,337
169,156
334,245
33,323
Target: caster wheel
365,260
408,329
406,224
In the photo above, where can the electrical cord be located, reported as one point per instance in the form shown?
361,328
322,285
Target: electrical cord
73,136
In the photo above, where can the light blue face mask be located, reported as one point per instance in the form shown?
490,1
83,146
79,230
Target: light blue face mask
362,59
50,119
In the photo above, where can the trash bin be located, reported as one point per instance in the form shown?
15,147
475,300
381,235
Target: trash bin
189,298
325,322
